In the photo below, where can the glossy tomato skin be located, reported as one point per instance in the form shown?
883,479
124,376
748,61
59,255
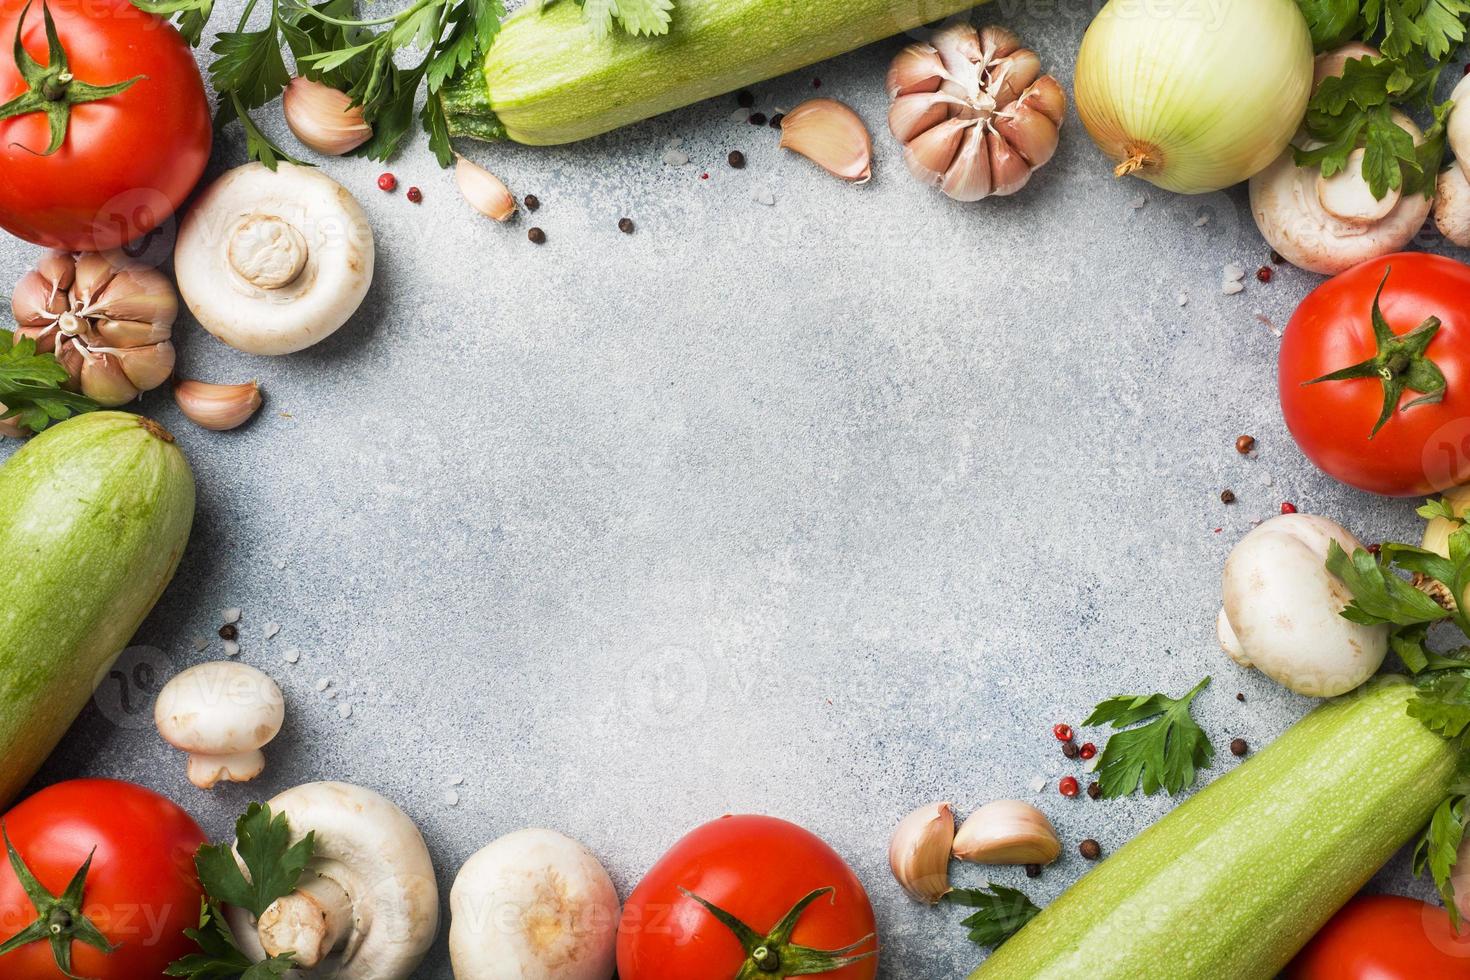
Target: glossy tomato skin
129,160
755,868
1385,937
142,890
1419,451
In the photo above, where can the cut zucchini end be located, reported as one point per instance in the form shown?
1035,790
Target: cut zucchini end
466,101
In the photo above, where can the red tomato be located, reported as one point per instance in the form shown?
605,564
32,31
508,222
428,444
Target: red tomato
1420,449
129,159
141,891
757,869
1384,937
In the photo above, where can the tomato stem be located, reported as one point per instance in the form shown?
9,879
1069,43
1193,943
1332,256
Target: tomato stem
774,954
59,919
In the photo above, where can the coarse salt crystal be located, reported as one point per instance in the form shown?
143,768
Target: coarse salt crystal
1182,299
763,195
455,780
1038,784
1234,273
1138,202
322,683
232,649
229,616
271,629
1231,288
201,643
675,158
293,655
741,115
1201,221
344,710
451,798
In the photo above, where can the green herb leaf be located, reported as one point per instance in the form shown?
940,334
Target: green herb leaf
1438,507
219,956
1442,703
30,386
1332,22
275,864
1163,754
1439,845
636,17
1379,596
192,16
1000,912
250,66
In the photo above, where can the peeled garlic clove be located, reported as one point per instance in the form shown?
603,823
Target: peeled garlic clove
830,135
486,192
917,68
968,177
139,293
1008,169
104,382
1011,75
93,273
997,41
217,407
131,333
929,155
35,301
147,367
1007,832
1047,97
324,118
1029,132
910,115
918,853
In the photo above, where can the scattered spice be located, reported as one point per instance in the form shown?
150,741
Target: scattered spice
1090,849
757,118
415,196
1287,507
228,632
745,98
537,236
625,225
1264,273
737,159
777,120
1094,790
1238,747
1240,697
387,182
1062,732
1070,750
531,201
1244,444
1227,496
1033,871
704,176
1067,786
1087,751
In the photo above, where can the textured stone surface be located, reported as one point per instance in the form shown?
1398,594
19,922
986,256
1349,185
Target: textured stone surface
823,509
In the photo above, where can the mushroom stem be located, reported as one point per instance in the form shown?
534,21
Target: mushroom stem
235,767
266,251
310,922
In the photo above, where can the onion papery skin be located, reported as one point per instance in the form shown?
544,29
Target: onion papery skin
1194,97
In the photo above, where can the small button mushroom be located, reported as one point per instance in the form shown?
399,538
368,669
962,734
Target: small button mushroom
222,714
367,906
1452,201
271,262
1007,832
533,905
1282,609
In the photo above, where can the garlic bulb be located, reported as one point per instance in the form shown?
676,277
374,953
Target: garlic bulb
918,853
217,407
324,118
974,112
108,320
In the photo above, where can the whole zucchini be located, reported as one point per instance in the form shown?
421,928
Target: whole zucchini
94,514
1237,879
548,79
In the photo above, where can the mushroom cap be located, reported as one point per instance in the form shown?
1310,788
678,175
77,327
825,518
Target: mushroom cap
301,238
1458,128
375,853
533,905
1452,205
1282,608
219,708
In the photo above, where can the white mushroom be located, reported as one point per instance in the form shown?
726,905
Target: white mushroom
273,262
367,907
222,714
1282,609
1452,204
1329,224
533,905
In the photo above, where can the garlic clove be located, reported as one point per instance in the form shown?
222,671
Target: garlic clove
960,52
1047,96
929,155
93,273
217,407
147,367
1013,74
485,192
1007,832
968,177
910,115
131,333
36,302
324,118
1008,169
1029,132
997,41
917,68
58,268
69,356
138,293
45,337
830,135
918,852
10,428
104,382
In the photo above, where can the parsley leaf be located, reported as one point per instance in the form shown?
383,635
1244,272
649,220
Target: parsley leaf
1439,845
1000,912
220,957
263,842
31,395
1163,754
1332,22
1379,596
635,17
193,15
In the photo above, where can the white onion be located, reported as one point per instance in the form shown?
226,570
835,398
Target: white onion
1194,96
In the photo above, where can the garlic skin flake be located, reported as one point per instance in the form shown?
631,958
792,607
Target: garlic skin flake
918,853
1007,832
832,136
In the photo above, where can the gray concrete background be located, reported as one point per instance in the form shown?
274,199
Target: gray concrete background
824,509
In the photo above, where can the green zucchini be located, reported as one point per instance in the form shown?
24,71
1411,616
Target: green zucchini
1233,882
548,79
94,514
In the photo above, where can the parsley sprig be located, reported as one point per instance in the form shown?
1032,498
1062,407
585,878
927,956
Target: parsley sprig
1417,39
31,386
635,17
1000,912
1163,754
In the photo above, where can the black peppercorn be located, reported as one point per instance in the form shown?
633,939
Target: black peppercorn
228,632
737,159
537,236
1227,496
1238,747
777,120
1090,849
1240,697
1033,871
625,225
1244,444
1069,749
531,201
1093,791
757,118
